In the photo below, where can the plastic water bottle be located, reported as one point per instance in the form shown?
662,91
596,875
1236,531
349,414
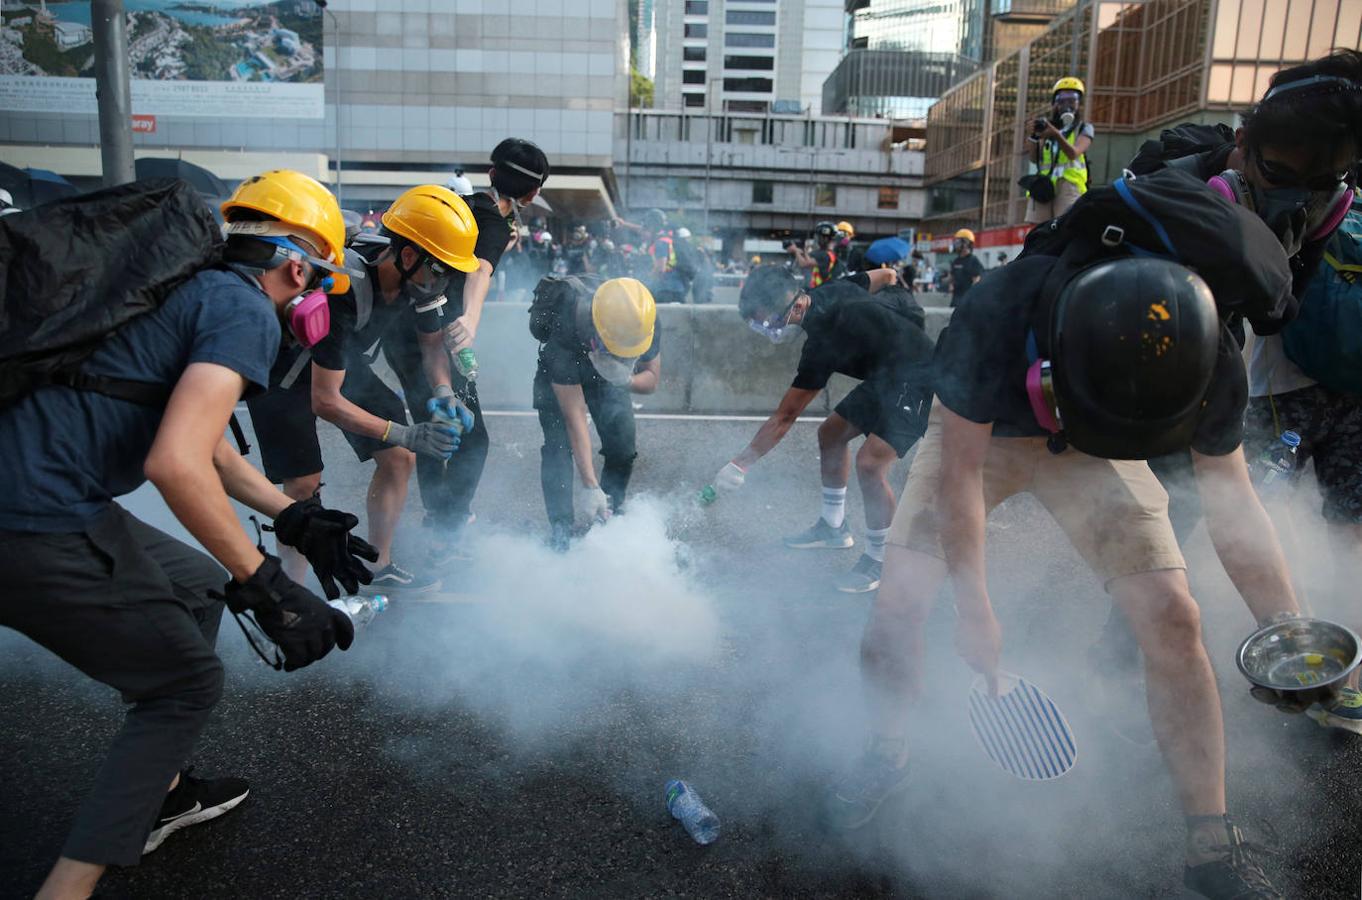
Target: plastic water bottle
686,807
1275,466
467,363
707,495
361,610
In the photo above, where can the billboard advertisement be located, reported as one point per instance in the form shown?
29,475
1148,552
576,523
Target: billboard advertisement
238,58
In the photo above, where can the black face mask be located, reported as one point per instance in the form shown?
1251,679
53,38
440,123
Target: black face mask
423,294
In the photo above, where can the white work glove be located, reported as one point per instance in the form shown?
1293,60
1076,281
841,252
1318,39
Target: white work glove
730,477
592,504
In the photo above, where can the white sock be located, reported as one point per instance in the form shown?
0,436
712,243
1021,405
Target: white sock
834,506
874,543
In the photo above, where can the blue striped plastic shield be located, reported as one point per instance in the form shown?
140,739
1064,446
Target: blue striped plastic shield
1021,729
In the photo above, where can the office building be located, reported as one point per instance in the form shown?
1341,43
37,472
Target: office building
420,91
1146,65
745,55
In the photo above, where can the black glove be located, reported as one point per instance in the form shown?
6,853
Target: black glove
323,536
300,624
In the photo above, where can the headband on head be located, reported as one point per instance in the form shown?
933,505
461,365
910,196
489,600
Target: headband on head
1312,81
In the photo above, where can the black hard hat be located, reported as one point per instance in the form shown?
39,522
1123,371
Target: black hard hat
1133,348
768,289
654,220
520,167
825,229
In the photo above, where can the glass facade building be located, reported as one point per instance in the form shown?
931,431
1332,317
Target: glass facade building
1147,65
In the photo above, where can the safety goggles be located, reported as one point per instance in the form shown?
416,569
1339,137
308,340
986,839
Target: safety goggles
1281,175
1072,98
773,326
287,248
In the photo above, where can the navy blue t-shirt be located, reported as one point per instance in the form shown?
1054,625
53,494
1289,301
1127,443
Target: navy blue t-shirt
69,453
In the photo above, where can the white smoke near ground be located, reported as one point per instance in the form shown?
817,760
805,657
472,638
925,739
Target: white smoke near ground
707,663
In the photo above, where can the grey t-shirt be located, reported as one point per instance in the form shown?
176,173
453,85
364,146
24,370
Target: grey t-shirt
69,453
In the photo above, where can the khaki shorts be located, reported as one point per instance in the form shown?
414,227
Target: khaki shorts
1114,512
1066,195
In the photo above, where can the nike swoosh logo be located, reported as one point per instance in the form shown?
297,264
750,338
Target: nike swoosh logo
188,812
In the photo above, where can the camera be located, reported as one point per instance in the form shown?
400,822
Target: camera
1038,125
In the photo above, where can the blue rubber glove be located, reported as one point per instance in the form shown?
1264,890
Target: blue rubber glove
449,411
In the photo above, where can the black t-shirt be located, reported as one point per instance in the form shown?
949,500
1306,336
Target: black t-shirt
494,234
858,334
981,363
563,357
964,269
343,346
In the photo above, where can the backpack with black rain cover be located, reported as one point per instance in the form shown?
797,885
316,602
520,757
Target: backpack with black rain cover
74,271
1172,214
553,298
1181,143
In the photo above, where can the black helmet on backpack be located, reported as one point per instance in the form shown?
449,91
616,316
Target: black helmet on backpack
768,290
1133,345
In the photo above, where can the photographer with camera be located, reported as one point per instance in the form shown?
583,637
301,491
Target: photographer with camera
1058,146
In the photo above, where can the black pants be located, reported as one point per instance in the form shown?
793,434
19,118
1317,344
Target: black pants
128,606
447,489
613,412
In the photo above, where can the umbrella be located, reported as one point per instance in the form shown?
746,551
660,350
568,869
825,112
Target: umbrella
888,250
30,187
202,180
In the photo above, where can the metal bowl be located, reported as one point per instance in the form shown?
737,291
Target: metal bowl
1300,660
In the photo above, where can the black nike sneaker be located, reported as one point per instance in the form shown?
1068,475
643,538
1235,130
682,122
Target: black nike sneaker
193,801
1239,875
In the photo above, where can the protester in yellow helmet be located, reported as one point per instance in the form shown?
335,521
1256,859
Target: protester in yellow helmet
428,235
1058,146
966,270
599,342
432,353
126,604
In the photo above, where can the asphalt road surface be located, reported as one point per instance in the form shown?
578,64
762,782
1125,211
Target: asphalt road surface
511,735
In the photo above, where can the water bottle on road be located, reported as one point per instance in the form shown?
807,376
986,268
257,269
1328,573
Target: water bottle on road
1273,470
686,807
361,610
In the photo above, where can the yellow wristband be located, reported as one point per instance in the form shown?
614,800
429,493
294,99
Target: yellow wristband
386,431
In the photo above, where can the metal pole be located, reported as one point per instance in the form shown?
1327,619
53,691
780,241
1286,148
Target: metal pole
335,30
113,91
709,144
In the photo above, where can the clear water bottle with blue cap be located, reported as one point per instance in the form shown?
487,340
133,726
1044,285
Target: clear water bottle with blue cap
687,808
361,610
1273,470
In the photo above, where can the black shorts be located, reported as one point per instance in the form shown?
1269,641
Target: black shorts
894,410
286,428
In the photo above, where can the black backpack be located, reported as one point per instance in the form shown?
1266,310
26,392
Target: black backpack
554,298
74,271
1181,142
1173,214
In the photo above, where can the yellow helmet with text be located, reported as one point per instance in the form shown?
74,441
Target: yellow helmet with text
624,314
438,221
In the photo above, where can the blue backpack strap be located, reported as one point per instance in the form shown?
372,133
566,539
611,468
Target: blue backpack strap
1123,190
1032,350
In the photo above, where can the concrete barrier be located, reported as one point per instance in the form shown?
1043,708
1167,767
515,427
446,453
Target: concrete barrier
711,362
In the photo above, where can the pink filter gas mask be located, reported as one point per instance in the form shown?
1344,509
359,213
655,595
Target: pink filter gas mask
309,317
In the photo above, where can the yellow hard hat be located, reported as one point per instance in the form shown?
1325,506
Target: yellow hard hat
756,260
438,221
298,202
1069,83
966,234
624,314
846,227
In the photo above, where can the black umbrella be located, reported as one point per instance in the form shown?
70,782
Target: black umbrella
202,180
30,187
